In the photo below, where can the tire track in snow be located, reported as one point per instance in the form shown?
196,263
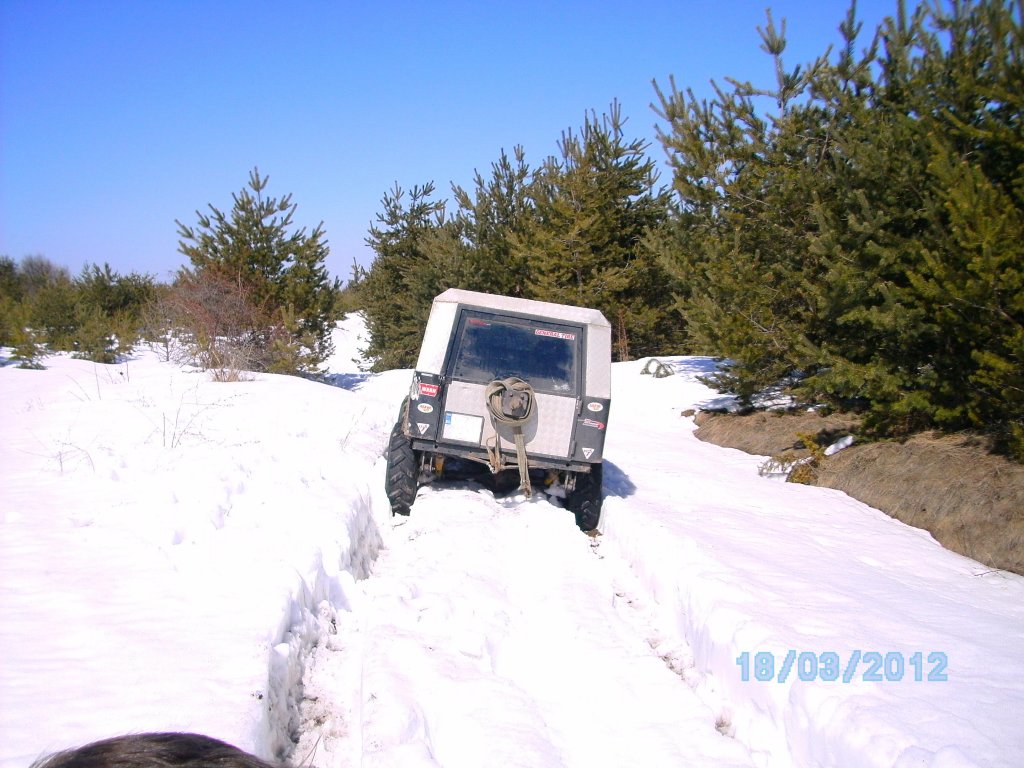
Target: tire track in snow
490,634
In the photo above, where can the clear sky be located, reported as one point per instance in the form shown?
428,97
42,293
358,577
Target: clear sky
119,116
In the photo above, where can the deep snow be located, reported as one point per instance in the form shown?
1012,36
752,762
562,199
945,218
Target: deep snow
180,554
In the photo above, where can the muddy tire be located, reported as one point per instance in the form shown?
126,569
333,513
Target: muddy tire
400,482
585,500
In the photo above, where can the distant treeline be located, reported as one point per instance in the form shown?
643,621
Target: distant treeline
95,314
855,233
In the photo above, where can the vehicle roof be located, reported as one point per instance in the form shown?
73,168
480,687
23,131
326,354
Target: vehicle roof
523,306
445,309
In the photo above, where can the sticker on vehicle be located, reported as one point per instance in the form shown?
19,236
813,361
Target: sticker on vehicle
595,407
422,427
463,427
593,423
554,334
429,390
588,452
425,408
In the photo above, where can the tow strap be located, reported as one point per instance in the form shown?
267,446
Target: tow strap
510,402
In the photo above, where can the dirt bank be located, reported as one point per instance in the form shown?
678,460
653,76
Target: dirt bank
970,500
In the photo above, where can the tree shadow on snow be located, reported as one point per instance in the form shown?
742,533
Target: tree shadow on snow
349,381
720,403
693,366
698,367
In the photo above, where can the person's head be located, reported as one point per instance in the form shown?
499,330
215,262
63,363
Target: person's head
154,750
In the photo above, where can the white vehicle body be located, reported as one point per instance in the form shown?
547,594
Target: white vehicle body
505,383
473,339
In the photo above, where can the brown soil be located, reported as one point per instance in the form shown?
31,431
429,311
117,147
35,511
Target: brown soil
970,500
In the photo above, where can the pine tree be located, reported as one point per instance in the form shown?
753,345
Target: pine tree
420,252
10,282
745,186
592,206
282,270
489,221
52,311
403,278
865,233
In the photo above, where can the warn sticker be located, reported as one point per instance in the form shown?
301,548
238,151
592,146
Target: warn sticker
429,390
554,334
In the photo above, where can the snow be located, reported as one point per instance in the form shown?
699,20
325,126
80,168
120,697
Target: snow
183,554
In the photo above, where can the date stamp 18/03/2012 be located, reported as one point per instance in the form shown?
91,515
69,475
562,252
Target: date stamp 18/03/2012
829,666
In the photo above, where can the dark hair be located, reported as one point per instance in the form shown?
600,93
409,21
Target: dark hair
154,750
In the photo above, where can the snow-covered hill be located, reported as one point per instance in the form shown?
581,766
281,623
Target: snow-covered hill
180,554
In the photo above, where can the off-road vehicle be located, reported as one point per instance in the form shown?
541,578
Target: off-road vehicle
507,386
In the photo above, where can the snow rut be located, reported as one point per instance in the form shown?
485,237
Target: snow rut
491,634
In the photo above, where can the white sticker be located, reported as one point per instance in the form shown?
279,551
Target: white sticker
595,407
588,452
425,408
463,427
422,427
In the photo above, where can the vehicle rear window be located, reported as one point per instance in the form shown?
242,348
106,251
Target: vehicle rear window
492,347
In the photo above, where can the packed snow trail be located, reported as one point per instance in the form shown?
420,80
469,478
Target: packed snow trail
493,635
728,563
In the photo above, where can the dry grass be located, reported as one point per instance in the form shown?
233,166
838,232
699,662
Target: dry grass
772,433
970,500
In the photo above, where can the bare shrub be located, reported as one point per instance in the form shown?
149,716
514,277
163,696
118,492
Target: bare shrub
773,433
799,467
211,322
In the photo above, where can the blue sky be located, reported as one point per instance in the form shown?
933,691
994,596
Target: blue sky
117,117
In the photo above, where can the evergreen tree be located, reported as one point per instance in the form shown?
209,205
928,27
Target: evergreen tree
350,297
404,278
114,294
282,270
420,252
864,233
51,310
10,301
27,346
746,185
592,206
10,282
488,223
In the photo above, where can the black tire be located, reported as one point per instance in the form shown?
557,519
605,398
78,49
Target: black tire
400,482
585,500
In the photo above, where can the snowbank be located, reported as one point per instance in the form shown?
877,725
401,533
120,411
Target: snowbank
740,565
171,547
